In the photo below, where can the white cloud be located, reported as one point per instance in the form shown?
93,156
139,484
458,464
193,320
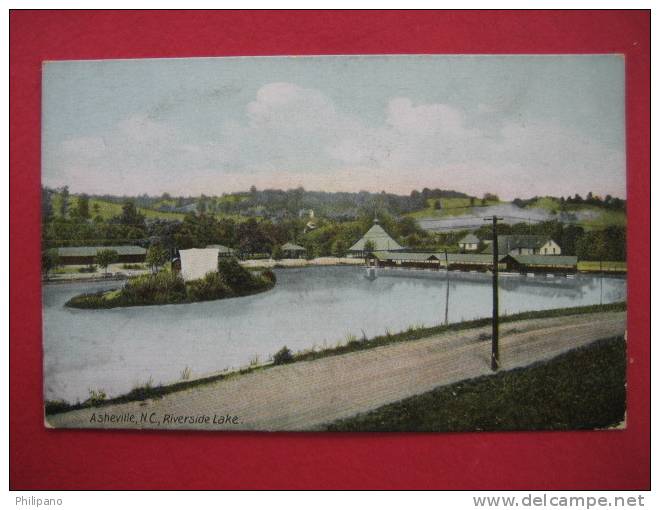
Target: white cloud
290,135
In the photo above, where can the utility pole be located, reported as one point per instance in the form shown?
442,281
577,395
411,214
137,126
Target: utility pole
495,346
447,295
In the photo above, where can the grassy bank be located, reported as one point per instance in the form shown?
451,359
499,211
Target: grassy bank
416,332
581,389
592,266
231,280
413,333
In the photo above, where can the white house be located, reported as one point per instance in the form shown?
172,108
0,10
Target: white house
524,245
550,248
196,262
469,243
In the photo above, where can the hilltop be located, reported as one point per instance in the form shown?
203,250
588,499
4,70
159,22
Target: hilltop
594,214
432,209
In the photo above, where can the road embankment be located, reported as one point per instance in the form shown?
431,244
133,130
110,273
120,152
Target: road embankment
308,394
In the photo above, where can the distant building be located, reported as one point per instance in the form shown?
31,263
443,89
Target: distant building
524,245
469,243
86,255
197,262
293,251
541,263
223,251
380,240
474,262
420,260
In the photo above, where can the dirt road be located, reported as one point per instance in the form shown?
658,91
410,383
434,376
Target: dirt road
306,395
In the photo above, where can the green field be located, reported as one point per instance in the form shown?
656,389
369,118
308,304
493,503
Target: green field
582,389
605,217
461,206
108,210
607,266
450,207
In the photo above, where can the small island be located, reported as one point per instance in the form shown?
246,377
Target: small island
168,287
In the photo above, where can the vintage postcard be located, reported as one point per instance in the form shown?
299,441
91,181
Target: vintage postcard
335,243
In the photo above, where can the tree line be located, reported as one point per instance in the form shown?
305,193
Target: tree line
328,236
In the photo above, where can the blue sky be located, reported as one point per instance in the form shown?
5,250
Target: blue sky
513,125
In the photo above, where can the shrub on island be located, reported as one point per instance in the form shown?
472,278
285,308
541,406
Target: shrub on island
231,280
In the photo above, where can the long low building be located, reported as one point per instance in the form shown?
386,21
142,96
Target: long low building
541,263
421,260
474,261
86,255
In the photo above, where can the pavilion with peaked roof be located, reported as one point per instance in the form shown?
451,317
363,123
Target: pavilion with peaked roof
293,251
380,240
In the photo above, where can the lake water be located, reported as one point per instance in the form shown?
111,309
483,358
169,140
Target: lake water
116,350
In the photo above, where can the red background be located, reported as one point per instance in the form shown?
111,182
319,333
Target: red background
61,459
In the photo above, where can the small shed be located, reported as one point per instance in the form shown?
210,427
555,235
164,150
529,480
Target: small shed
293,251
197,262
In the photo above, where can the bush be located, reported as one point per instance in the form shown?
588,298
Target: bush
212,286
96,397
277,252
157,288
283,356
132,266
235,275
268,276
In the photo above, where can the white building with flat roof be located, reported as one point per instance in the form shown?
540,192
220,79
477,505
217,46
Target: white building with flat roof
196,262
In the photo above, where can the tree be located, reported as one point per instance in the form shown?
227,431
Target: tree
129,214
277,252
49,261
339,248
156,257
369,246
106,257
283,356
46,205
64,201
82,207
